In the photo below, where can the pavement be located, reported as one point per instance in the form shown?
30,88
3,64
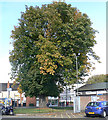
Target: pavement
65,114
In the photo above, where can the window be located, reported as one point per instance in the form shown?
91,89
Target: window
104,103
107,103
94,104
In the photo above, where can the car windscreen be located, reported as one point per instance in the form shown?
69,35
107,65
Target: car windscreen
94,104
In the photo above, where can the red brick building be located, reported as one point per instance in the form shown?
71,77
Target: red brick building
30,101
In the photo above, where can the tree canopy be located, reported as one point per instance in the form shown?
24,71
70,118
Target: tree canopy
98,78
45,45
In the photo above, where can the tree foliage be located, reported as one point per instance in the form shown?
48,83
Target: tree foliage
45,45
98,78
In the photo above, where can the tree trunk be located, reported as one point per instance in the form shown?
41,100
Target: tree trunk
42,102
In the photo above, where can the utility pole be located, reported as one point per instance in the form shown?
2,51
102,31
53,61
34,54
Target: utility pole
77,74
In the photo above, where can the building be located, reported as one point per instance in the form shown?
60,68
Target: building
4,90
8,90
92,92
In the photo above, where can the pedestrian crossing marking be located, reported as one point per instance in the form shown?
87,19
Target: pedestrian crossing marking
80,115
61,116
68,115
73,115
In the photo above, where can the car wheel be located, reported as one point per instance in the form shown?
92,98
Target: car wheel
104,114
11,113
2,113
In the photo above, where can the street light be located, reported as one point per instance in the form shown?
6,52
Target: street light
77,72
77,98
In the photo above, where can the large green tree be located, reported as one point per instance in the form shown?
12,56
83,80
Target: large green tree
98,78
45,45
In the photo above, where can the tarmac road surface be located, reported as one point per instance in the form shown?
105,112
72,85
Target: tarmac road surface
59,116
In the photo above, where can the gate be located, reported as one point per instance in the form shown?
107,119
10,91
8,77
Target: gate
76,104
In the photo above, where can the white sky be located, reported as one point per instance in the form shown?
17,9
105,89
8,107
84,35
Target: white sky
10,12
53,0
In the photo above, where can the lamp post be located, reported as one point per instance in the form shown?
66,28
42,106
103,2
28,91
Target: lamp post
77,74
77,98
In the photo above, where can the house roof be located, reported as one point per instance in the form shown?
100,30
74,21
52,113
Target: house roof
3,87
93,87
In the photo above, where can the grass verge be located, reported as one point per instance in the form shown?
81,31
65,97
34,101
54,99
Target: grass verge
36,110
62,108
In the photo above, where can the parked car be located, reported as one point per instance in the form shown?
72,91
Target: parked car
99,108
7,110
0,107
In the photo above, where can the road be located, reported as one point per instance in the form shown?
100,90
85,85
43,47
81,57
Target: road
62,115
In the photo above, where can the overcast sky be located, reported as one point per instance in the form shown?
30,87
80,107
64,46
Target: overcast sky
10,12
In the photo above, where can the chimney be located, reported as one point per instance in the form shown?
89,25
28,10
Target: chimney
8,85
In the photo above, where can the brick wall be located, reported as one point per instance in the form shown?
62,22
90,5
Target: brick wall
30,101
102,97
85,99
